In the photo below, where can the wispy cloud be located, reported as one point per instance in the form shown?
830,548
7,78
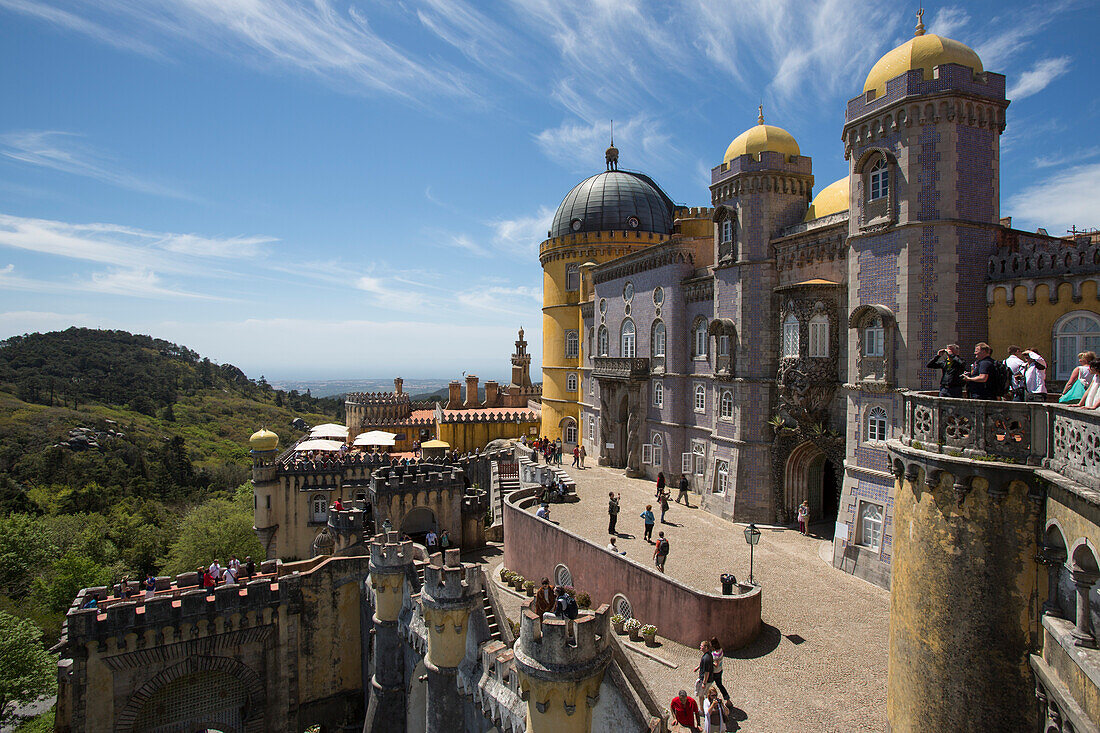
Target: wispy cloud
580,145
78,24
1076,158
1038,77
129,282
1015,32
1065,199
949,21
64,151
520,301
522,234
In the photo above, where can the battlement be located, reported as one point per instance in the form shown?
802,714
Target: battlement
548,643
387,551
765,162
693,212
448,579
416,476
376,398
348,520
947,78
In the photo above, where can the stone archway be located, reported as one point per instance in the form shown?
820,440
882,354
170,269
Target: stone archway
417,521
809,475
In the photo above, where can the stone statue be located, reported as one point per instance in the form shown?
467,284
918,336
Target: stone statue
633,444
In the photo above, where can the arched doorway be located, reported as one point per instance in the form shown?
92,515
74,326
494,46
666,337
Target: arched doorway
200,694
811,476
417,521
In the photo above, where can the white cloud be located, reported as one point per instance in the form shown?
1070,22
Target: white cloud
1038,77
948,21
1063,160
580,146
1064,200
522,234
77,24
996,49
139,283
17,323
462,241
61,151
520,301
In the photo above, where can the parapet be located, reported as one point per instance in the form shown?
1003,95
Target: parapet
387,551
546,650
448,580
416,477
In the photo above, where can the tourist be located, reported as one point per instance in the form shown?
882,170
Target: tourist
543,511
566,608
1091,399
714,720
660,552
612,511
662,499
249,567
444,540
614,547
150,586
660,483
338,505
705,668
803,516
683,490
235,564
951,364
126,590
230,575
215,571
208,579
545,600
685,711
980,381
648,521
716,670
1079,380
1016,365
581,453
576,456
92,602
1035,383
431,539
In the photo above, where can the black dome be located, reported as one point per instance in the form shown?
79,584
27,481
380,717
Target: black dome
614,200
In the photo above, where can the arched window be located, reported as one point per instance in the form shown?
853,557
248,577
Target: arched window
870,525
572,278
879,182
659,338
819,335
658,449
727,230
790,336
726,404
1074,333
627,339
876,424
874,338
699,339
569,431
572,345
319,506
700,398
602,339
658,394
571,383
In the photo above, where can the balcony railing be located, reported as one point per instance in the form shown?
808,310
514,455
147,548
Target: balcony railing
1061,438
614,367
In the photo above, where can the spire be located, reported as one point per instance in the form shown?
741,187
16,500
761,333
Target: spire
760,118
920,23
612,153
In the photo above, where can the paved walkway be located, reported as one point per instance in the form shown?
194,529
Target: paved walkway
820,662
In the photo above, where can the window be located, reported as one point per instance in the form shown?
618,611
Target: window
727,230
658,444
572,344
268,501
876,424
870,525
790,336
721,477
874,338
602,339
627,341
622,606
880,180
700,398
603,306
1077,332
699,452
319,505
647,453
699,339
726,404
572,278
562,576
658,296
659,338
724,345
570,432
658,394
571,383
591,428
819,336
628,292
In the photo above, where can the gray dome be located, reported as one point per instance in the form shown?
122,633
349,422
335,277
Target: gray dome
614,200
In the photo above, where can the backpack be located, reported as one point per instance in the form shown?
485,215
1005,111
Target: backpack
571,611
1000,379
662,546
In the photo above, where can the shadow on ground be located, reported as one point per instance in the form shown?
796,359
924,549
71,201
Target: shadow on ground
764,644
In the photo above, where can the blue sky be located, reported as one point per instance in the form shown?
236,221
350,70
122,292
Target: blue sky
320,189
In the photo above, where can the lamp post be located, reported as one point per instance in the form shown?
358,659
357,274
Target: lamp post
752,536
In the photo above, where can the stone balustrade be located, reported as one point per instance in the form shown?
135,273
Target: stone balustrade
615,367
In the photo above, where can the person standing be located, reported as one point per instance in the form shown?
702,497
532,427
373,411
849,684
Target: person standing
1016,365
215,571
705,670
648,522
545,599
576,456
803,516
716,669
581,453
683,490
431,539
660,552
150,586
663,501
612,511
230,575
948,361
444,540
714,720
1035,382
660,483
249,567
979,381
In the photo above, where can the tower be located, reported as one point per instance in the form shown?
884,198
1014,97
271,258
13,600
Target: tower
521,363
451,589
264,449
390,560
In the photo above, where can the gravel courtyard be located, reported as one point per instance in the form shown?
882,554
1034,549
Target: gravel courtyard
820,661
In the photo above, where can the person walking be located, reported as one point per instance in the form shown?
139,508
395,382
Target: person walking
683,490
612,511
716,669
663,501
576,456
648,521
803,516
705,669
581,453
660,552
431,539
660,483
685,711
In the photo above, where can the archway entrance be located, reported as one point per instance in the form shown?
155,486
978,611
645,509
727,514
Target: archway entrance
205,701
811,476
417,521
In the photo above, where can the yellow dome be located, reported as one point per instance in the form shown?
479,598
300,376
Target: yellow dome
833,199
923,51
263,440
761,138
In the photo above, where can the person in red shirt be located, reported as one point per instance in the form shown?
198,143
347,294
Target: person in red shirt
686,711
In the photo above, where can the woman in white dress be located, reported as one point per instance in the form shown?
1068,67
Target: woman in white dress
1091,400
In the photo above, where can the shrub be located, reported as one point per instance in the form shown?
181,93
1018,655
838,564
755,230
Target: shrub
584,600
632,624
618,618
504,573
528,585
649,630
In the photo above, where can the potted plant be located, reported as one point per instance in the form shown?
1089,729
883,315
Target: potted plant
649,633
529,586
518,581
584,600
617,623
504,573
633,627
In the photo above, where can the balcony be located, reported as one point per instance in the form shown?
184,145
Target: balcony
619,368
1041,434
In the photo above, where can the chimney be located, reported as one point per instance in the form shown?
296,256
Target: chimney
491,390
471,392
397,382
454,396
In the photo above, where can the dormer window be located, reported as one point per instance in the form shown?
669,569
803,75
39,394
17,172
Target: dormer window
879,183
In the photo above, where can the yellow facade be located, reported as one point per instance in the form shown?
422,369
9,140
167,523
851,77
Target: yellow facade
1031,325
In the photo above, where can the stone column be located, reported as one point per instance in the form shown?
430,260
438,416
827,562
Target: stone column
451,589
389,560
1054,558
1083,634
560,676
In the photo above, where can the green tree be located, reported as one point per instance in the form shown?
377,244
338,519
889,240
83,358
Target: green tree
26,547
27,670
68,575
215,529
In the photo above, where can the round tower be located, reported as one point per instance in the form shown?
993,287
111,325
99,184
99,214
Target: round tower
264,450
451,590
390,560
560,673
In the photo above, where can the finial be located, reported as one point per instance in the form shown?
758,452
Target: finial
920,22
760,118
612,133
611,155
